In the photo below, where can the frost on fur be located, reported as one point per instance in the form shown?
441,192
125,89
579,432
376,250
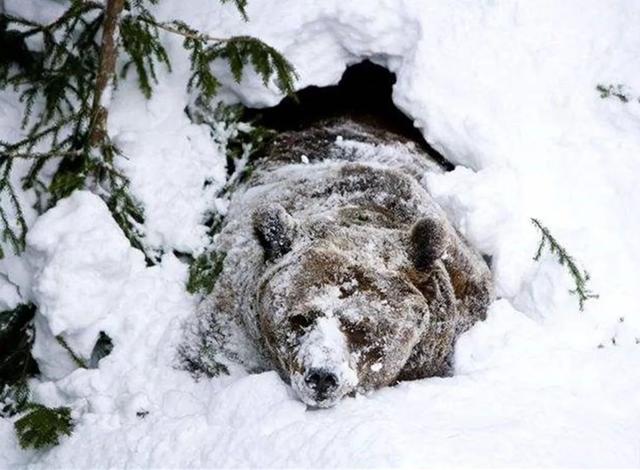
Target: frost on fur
341,273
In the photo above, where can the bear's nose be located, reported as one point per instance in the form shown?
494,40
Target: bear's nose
321,381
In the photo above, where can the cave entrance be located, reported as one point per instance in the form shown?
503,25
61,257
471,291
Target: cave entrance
363,94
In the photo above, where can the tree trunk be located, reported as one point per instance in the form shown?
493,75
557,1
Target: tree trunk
106,71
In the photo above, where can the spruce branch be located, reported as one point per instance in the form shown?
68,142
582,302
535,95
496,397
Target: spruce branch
65,91
141,41
65,102
580,277
16,338
204,272
180,28
80,362
75,10
618,91
238,51
241,5
14,398
42,427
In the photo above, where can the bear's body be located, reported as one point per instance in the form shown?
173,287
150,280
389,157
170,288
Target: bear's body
341,272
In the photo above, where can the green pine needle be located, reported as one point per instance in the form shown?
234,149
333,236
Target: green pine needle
241,5
79,361
617,91
14,398
580,277
42,427
204,272
141,41
57,87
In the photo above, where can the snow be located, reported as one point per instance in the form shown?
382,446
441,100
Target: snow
173,160
506,89
79,243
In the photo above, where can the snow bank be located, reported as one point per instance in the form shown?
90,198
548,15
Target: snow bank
506,89
81,262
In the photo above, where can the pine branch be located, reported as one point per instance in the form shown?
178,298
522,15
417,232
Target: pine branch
180,28
42,427
65,107
204,272
141,41
14,398
580,278
15,225
16,338
64,89
238,51
77,8
241,5
80,362
618,91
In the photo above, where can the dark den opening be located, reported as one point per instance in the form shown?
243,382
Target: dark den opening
363,94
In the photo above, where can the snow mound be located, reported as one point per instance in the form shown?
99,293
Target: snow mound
79,244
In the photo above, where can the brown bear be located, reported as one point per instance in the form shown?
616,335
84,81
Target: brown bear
341,272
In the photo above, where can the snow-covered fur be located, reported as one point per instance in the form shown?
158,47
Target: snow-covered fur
341,271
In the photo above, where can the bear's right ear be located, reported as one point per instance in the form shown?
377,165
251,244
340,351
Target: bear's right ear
428,242
275,229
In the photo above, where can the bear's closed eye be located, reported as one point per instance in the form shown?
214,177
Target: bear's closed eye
300,322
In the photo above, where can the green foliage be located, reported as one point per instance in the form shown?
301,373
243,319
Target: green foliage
204,272
16,339
580,277
57,86
242,141
39,426
42,427
619,91
57,90
241,5
13,398
16,362
79,361
141,42
238,51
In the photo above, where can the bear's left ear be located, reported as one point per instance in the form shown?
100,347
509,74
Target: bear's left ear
275,230
428,241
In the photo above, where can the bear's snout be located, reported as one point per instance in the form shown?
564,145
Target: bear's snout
324,383
323,387
323,373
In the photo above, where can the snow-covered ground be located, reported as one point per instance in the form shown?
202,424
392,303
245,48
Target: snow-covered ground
506,89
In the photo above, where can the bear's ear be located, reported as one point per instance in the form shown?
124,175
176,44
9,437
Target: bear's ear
274,229
428,241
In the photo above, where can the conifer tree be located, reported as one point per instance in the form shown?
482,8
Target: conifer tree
65,86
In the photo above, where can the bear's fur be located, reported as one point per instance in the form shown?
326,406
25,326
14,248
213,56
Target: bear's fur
341,272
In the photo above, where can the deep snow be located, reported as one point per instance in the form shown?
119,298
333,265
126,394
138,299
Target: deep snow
505,89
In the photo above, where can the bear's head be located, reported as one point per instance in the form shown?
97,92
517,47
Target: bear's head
331,319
